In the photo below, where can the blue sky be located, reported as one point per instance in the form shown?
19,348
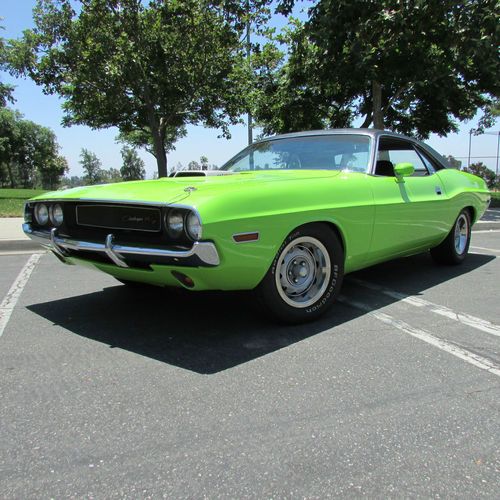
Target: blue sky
46,110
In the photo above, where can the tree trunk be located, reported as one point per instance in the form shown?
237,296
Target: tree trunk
160,154
378,116
158,132
158,144
11,176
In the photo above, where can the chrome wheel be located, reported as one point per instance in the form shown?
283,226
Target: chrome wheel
461,234
303,272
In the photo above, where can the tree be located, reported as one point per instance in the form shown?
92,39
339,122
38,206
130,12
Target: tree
29,153
73,181
5,89
194,165
453,162
147,69
410,66
111,175
204,163
483,171
133,166
490,116
92,167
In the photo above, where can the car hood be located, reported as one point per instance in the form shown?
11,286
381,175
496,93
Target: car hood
180,189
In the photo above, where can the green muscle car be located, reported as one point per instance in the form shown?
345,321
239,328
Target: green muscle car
286,217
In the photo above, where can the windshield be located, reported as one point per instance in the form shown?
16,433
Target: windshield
322,152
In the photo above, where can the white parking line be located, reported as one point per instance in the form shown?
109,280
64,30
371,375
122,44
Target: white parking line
486,231
10,300
465,319
487,249
20,252
454,350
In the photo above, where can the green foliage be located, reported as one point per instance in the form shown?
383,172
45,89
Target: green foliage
28,153
148,68
133,166
490,116
483,171
194,165
5,89
453,162
411,66
111,175
92,167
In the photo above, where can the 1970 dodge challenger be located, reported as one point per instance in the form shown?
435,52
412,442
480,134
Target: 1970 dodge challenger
288,217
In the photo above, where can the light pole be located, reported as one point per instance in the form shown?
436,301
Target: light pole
498,148
498,152
250,131
471,131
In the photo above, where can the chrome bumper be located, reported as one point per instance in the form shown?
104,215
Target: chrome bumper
205,251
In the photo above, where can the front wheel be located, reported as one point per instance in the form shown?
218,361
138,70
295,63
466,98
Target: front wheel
454,248
306,275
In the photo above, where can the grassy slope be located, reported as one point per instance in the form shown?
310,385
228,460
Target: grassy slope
12,201
495,199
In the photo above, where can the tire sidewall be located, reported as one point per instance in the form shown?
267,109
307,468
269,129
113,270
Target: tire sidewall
270,295
459,257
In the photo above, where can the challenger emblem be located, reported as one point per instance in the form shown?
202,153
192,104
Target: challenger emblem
189,189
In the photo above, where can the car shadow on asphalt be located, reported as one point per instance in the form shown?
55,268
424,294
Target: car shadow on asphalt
208,332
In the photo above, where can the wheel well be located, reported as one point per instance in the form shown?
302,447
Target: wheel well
472,213
337,232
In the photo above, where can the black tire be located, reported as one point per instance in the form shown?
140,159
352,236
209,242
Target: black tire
454,248
305,276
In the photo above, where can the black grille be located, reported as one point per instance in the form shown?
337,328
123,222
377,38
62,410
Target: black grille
119,217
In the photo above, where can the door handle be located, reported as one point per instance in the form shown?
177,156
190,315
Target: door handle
438,190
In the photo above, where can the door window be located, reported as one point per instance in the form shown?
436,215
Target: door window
393,151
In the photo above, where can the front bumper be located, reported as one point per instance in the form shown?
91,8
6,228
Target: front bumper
204,252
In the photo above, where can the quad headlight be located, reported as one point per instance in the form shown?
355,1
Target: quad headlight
41,214
193,226
183,223
175,223
56,214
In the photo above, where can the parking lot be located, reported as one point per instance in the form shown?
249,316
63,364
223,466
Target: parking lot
109,391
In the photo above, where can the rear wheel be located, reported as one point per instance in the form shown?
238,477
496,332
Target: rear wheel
454,248
305,276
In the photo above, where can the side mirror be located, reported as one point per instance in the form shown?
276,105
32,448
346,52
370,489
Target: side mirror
403,170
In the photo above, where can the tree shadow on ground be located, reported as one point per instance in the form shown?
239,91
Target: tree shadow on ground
208,332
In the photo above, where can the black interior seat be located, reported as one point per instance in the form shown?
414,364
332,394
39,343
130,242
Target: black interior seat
384,167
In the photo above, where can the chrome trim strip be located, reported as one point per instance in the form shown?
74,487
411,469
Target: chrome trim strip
111,253
55,247
206,251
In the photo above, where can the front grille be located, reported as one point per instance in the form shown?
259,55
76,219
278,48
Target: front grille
134,218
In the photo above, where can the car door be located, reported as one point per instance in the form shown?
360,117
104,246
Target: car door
409,213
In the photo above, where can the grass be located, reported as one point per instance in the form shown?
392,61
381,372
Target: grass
12,201
495,199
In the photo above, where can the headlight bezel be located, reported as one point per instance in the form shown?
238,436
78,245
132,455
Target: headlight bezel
52,216
193,235
171,231
36,212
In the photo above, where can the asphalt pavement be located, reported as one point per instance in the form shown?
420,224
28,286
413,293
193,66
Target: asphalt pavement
112,392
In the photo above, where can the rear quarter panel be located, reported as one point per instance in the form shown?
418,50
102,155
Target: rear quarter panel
463,190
